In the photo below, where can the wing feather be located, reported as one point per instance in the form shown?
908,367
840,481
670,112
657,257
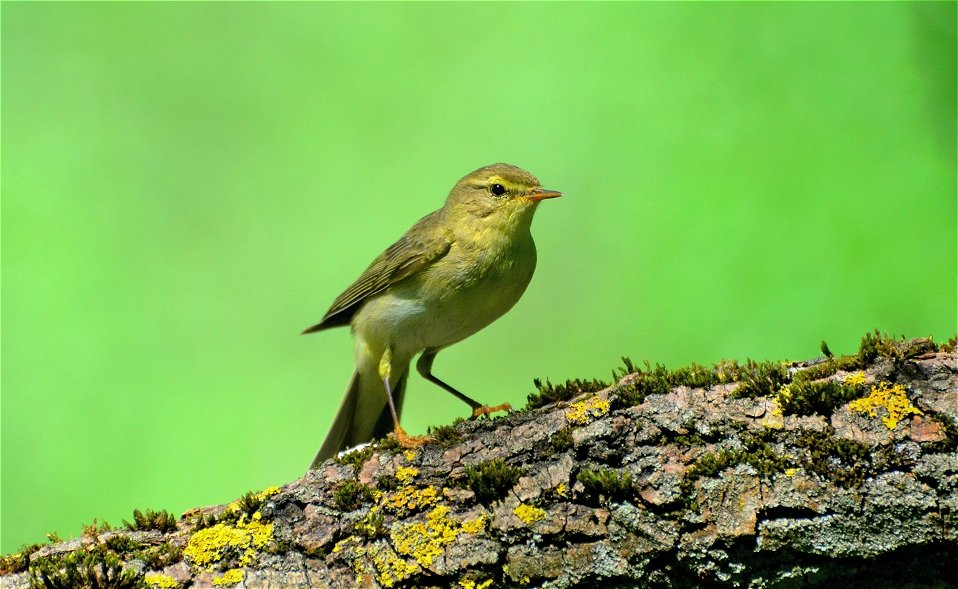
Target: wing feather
419,248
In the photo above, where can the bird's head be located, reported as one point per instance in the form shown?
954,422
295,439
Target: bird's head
503,192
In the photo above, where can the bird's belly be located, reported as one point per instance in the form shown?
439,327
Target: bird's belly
436,311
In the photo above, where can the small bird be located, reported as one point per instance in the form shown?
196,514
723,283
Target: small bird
455,271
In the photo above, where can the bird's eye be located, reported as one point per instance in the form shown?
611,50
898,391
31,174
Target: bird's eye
497,189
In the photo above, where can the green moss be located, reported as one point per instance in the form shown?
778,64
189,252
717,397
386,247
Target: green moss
756,450
350,495
201,521
388,444
19,561
876,344
492,479
97,567
387,482
950,429
650,381
373,525
247,507
162,521
356,458
605,484
121,543
825,351
159,557
951,345
820,397
446,436
561,440
757,378
845,462
682,440
760,379
550,393
93,530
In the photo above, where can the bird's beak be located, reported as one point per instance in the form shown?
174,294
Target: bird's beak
542,194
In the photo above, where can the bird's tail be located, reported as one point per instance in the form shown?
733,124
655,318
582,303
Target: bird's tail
363,415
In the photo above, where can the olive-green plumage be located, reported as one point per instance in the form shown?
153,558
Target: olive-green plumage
454,272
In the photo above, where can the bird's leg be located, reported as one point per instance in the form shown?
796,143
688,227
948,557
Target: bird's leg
424,366
404,439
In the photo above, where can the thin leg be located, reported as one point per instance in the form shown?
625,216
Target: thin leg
424,366
385,371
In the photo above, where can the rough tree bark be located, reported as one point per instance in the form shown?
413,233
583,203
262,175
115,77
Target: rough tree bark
693,487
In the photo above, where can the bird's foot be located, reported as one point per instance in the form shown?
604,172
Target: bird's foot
481,410
409,442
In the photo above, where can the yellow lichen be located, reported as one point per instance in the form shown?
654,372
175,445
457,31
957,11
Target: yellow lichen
855,379
790,472
409,499
410,455
528,513
562,490
474,526
378,560
586,410
405,474
158,581
390,569
424,542
470,584
230,577
892,399
211,545
775,418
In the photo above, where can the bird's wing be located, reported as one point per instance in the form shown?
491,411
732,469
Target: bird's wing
419,248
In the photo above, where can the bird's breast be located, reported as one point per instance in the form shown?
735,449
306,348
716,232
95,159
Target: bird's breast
474,284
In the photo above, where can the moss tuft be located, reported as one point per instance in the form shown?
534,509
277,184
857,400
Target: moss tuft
492,479
349,495
97,566
605,484
825,351
446,436
550,393
121,543
561,440
162,521
804,397
19,561
845,462
950,429
93,530
356,458
760,379
159,557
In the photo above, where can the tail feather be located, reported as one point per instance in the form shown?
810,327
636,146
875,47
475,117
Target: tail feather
363,416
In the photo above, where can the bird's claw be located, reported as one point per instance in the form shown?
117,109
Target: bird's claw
409,442
481,410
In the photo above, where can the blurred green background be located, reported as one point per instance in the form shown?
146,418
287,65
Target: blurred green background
187,186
